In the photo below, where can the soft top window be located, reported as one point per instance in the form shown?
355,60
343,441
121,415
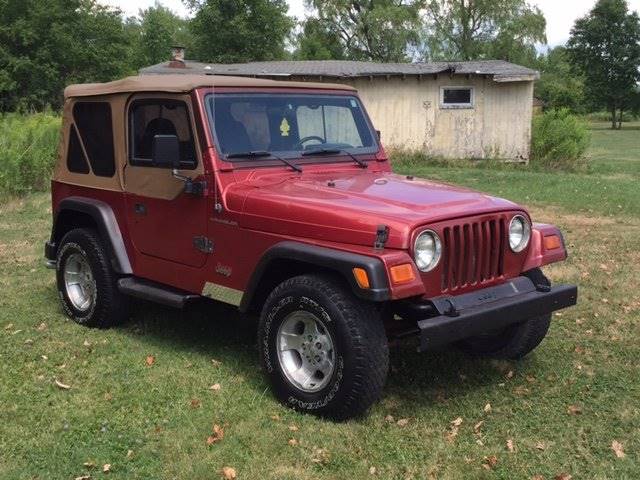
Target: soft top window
289,123
151,117
93,120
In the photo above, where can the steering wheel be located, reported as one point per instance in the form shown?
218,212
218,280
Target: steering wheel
300,146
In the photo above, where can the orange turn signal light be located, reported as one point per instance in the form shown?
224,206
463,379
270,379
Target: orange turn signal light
402,273
552,242
362,279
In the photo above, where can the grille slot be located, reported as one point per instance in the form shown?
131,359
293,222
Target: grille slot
473,253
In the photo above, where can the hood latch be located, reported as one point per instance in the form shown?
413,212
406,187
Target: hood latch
382,235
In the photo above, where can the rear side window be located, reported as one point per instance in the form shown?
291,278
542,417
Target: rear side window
76,161
148,118
93,120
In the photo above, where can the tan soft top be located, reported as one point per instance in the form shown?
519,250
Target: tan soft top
185,83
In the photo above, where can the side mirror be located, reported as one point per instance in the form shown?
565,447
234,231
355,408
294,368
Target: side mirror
165,152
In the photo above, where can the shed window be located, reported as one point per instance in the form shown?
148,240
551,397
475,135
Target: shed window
148,118
456,97
93,120
76,161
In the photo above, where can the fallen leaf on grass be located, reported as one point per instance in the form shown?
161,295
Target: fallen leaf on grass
28,341
292,442
275,418
490,462
83,477
477,427
487,408
509,375
574,410
617,448
42,327
9,326
541,446
216,436
452,433
320,455
129,453
537,477
195,403
229,473
510,446
403,422
215,387
563,476
389,419
372,470
89,464
216,363
150,360
61,385
293,428
106,468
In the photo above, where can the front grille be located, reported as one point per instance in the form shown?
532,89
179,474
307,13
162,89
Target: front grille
473,253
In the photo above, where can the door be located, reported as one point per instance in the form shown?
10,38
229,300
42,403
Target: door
164,222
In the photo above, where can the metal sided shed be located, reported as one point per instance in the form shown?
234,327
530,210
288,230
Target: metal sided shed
480,109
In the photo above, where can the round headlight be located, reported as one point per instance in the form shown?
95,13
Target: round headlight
519,233
427,251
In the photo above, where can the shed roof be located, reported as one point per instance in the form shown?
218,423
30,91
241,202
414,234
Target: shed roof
498,69
183,83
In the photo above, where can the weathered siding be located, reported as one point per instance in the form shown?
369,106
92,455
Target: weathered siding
408,113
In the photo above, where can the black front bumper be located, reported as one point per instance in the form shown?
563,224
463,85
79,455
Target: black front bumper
493,308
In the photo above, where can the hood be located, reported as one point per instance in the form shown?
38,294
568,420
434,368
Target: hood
347,207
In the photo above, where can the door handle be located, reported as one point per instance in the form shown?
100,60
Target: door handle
140,209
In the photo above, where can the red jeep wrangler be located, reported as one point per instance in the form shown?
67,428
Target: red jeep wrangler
277,197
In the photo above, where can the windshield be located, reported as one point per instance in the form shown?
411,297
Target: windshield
289,124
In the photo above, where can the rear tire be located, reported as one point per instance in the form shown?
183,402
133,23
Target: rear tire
87,285
324,350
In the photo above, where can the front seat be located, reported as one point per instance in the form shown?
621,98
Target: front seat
157,126
232,134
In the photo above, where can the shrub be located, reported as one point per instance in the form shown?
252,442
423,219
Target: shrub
559,141
28,148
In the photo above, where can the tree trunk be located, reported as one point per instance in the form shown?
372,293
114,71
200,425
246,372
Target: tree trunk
620,119
613,118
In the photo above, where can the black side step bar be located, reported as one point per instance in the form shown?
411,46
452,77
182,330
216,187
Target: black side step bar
154,292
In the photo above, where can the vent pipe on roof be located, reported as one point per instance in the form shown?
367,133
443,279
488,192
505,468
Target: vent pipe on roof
177,57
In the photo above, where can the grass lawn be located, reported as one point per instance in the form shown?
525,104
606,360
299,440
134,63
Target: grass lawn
560,409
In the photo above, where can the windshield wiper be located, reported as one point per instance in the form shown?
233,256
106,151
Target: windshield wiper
332,151
264,153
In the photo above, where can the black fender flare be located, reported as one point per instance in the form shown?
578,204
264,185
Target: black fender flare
325,258
107,225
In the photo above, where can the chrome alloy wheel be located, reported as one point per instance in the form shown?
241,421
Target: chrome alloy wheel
305,351
79,283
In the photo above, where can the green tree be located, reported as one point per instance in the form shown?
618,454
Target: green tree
318,40
229,31
158,29
48,44
378,30
605,46
475,29
560,86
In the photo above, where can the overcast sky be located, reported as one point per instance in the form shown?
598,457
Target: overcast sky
560,14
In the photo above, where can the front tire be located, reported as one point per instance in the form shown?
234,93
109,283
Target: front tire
516,341
324,350
87,285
